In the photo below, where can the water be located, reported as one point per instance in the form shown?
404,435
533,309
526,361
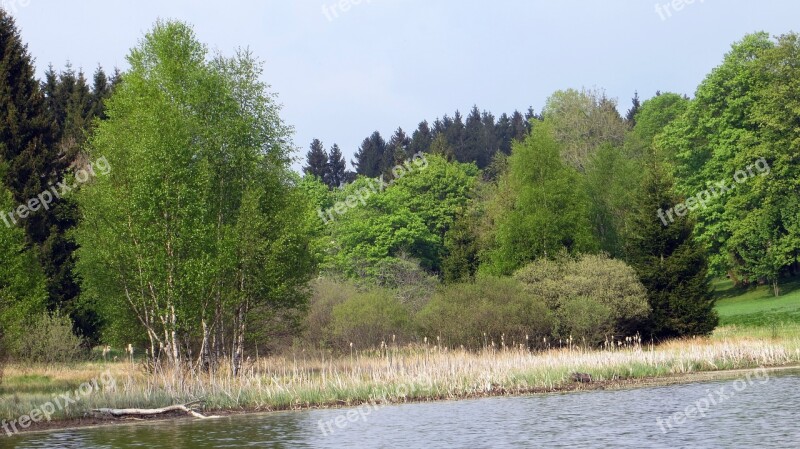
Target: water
758,413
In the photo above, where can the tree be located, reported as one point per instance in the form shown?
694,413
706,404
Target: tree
540,208
630,116
200,236
737,127
411,217
369,157
23,291
316,160
504,134
337,174
396,150
582,121
670,264
421,140
33,162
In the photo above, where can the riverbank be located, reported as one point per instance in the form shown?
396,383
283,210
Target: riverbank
409,374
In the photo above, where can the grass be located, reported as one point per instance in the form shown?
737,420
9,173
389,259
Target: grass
756,306
757,330
394,375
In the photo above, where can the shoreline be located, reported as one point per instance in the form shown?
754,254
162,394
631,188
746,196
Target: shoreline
565,388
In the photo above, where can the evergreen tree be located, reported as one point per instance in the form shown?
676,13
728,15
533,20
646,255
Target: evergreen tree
336,175
456,137
503,132
636,105
396,150
670,264
316,161
28,150
369,157
421,140
519,127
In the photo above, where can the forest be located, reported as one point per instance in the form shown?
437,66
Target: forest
156,209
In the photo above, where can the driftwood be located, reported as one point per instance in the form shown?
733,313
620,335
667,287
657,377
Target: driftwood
118,412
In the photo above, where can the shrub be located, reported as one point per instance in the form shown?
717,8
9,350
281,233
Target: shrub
489,310
326,294
369,318
605,286
50,339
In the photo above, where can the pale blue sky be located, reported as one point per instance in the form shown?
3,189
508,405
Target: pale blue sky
389,63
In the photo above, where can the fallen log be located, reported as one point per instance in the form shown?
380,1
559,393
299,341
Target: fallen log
119,412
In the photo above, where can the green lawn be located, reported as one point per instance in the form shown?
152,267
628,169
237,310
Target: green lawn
755,306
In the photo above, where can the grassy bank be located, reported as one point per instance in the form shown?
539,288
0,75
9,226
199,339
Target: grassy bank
401,374
396,375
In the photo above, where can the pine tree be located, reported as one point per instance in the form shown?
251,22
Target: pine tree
636,105
503,134
670,264
337,174
422,139
396,150
369,157
30,125
519,126
316,160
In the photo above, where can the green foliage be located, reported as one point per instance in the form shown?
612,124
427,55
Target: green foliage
743,113
540,207
489,310
200,227
22,283
581,122
411,216
369,318
593,297
671,265
49,339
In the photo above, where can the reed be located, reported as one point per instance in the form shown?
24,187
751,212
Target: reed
305,378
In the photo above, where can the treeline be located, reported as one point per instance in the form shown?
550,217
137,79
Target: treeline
44,128
200,244
679,189
478,140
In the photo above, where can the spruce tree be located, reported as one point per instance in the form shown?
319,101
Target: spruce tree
396,150
670,264
316,160
337,174
369,157
422,139
29,152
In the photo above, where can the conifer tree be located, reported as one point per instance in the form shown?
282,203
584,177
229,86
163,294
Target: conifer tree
670,264
337,174
369,157
316,160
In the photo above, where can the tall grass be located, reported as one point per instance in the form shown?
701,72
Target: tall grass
392,374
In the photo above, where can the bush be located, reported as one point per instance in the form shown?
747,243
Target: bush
591,296
50,340
326,294
488,310
369,318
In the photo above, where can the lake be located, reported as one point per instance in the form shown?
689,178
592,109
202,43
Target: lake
759,410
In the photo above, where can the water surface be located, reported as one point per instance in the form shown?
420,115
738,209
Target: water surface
759,413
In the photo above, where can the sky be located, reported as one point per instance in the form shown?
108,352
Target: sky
345,68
